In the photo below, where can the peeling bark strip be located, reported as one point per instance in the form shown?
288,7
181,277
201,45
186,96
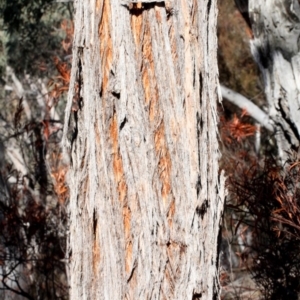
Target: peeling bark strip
146,195
275,46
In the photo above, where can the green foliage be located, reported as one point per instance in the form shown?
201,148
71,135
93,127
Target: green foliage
20,15
33,35
3,50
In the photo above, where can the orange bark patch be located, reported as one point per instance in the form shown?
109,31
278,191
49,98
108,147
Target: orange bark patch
117,160
122,190
127,218
171,213
105,43
164,165
157,14
136,23
98,4
148,74
149,82
128,250
128,257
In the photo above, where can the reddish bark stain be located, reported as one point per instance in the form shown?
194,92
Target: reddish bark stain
106,49
117,160
158,15
98,5
149,82
171,213
148,74
165,164
119,178
136,23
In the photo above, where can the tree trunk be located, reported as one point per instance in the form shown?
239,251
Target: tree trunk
146,193
275,46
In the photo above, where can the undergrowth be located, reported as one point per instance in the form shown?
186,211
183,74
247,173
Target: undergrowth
262,209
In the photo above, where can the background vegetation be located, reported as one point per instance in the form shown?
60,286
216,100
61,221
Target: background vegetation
260,246
35,52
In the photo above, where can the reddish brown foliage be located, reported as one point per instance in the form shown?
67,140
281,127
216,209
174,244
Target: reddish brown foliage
263,203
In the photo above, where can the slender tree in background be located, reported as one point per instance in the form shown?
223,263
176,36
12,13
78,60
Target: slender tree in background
264,190
146,193
275,26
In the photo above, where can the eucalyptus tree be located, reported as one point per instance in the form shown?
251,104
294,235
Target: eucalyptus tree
141,127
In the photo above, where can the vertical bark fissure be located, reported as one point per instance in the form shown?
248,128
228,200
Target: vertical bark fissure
141,224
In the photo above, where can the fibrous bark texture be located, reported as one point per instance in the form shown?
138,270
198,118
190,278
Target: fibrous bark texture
146,193
275,46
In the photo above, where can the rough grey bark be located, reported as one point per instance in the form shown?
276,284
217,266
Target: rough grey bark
275,46
146,192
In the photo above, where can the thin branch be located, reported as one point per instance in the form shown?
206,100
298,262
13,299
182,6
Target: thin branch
10,288
21,292
244,103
